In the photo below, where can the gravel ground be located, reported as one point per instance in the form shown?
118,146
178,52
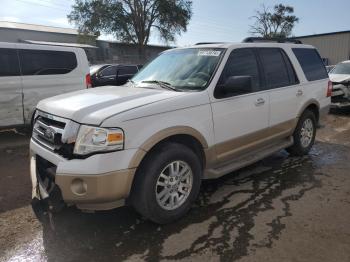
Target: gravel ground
280,209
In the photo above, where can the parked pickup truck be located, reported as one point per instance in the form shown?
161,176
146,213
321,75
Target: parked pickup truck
192,113
340,77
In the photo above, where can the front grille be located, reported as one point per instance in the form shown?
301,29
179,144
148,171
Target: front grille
339,99
48,132
55,134
347,84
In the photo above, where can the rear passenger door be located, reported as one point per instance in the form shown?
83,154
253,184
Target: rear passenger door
240,121
11,110
47,73
283,88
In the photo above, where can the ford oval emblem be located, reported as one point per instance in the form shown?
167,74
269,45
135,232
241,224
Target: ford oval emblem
49,133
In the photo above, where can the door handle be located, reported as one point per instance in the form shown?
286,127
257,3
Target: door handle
260,101
299,92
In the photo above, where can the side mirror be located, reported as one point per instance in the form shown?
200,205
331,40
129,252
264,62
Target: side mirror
235,85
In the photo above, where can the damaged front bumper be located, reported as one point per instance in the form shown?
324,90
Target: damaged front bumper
58,182
340,95
46,195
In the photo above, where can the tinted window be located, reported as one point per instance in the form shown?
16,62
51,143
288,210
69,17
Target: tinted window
127,70
311,63
275,69
109,71
9,63
43,62
241,62
293,79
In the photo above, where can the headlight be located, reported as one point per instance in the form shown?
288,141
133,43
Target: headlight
97,139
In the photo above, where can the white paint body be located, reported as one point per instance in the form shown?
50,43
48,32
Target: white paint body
141,113
19,95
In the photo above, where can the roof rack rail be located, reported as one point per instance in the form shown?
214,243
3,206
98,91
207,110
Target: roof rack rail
277,40
208,43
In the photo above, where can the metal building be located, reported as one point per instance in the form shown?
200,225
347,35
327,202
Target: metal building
97,51
333,47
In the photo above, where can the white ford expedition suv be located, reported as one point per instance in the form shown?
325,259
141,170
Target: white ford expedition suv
191,114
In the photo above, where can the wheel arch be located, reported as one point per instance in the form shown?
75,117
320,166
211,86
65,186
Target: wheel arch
314,106
185,135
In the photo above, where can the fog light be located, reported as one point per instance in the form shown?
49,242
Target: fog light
79,187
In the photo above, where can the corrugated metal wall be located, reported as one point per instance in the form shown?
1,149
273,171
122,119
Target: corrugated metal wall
335,47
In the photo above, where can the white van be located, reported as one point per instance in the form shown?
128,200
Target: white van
30,73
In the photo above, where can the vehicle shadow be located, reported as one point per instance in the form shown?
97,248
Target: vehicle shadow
345,111
15,184
221,221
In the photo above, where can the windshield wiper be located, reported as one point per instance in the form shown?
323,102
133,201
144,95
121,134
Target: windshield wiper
162,84
131,82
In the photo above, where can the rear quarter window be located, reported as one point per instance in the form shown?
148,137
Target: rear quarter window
311,63
46,62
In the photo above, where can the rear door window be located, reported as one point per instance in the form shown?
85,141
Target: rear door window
278,71
311,63
9,65
127,70
45,62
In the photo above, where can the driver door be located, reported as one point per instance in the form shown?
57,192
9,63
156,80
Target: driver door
108,76
240,121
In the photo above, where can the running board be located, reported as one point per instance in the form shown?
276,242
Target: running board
247,159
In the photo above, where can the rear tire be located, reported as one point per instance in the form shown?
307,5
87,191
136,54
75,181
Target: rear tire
167,183
304,134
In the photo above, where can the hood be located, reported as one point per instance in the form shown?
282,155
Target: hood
90,106
339,78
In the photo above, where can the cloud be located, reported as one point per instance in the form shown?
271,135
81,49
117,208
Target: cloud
60,21
10,19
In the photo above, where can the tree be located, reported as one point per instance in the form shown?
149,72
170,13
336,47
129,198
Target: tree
132,21
278,24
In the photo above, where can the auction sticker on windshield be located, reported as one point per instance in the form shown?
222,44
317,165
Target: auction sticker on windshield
208,53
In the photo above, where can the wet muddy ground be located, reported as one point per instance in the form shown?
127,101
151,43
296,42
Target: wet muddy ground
280,209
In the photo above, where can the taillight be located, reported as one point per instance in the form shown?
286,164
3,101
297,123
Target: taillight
329,89
88,81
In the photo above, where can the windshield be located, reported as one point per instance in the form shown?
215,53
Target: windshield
183,69
342,68
95,68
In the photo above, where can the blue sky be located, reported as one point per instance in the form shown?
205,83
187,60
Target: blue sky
220,20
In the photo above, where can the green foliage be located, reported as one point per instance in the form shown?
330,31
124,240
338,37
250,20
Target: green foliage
278,24
132,21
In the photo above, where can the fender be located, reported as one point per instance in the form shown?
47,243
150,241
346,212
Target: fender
160,136
308,103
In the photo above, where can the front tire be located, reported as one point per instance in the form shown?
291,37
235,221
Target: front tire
304,134
167,183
